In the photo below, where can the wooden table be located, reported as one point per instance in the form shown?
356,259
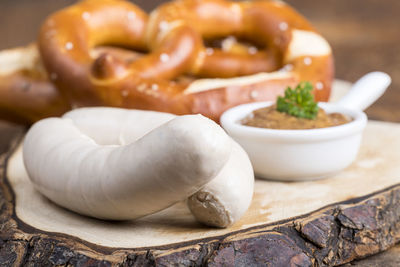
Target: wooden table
363,33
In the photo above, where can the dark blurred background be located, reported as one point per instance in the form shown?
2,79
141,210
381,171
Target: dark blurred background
364,34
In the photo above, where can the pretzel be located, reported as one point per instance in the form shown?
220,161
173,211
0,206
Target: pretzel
287,39
25,93
187,57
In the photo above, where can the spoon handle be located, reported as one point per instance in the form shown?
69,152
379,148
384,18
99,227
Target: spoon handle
366,91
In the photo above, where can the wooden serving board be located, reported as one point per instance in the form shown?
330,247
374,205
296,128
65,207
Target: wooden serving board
328,222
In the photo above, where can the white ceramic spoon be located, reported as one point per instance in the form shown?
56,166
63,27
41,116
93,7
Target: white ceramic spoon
295,155
366,91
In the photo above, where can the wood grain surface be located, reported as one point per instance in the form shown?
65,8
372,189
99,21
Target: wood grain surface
364,35
329,236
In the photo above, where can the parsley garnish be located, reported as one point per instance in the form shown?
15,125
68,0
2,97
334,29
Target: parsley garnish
298,102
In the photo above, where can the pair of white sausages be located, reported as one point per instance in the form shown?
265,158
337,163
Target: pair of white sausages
122,164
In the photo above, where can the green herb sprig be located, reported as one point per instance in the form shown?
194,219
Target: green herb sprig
298,102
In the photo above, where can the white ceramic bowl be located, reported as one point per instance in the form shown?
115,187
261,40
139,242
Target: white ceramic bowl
293,155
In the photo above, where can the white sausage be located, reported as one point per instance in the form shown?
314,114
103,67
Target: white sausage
112,163
124,182
228,196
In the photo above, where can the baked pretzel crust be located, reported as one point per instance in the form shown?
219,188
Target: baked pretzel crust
185,57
